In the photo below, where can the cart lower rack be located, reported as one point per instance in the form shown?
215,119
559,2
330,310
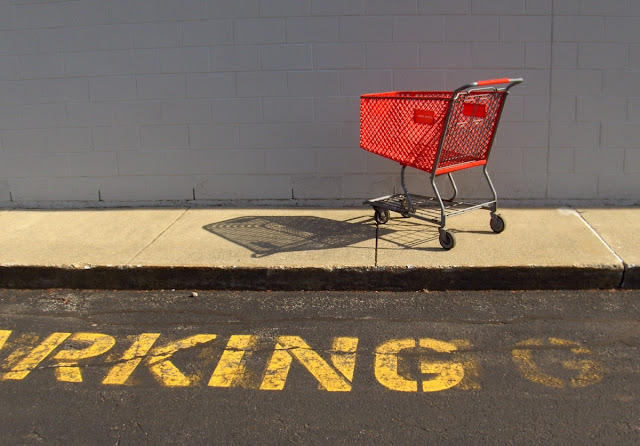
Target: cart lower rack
438,132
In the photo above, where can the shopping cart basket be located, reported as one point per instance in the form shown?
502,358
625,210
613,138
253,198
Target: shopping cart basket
439,132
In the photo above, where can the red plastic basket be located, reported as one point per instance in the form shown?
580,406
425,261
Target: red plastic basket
409,127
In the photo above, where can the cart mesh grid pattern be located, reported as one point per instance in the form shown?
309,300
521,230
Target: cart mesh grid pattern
407,127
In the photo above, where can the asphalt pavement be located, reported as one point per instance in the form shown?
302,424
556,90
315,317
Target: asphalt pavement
82,367
266,248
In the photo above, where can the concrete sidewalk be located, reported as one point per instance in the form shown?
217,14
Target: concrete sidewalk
316,249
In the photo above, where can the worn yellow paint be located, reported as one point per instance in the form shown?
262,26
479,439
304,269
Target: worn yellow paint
575,347
471,365
4,335
277,369
523,358
289,347
164,370
22,342
120,373
35,356
343,355
448,373
590,372
231,366
68,369
452,365
386,365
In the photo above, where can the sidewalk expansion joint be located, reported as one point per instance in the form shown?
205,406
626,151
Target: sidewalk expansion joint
158,236
624,264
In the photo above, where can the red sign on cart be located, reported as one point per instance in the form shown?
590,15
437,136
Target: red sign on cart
475,110
423,116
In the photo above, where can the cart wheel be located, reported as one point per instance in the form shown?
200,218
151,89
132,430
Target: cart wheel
447,240
381,216
497,223
405,206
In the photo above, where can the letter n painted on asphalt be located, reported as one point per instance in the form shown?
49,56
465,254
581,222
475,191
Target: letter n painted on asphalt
333,379
447,373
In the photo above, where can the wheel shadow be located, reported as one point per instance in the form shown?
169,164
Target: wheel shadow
411,233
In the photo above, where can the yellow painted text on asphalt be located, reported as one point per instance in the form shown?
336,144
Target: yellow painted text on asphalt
447,374
334,379
586,371
402,365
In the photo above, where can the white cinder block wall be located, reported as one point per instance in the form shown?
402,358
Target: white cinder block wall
139,100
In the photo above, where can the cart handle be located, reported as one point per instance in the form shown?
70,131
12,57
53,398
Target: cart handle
505,80
486,82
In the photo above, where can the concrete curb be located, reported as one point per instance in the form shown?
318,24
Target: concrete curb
631,277
312,279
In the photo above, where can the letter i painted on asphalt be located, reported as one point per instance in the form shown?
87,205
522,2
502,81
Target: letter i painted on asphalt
231,367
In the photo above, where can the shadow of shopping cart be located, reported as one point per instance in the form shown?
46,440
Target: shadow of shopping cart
268,235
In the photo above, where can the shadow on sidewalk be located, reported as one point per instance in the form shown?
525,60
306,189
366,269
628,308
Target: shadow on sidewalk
267,235
410,233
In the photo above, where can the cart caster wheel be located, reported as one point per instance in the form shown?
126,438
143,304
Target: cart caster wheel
409,210
381,216
447,240
497,223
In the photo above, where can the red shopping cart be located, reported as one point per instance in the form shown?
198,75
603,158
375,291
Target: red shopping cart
438,132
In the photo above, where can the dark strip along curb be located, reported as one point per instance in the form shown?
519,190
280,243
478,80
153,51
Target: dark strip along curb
631,276
310,279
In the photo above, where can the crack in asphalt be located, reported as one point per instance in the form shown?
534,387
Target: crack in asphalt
235,318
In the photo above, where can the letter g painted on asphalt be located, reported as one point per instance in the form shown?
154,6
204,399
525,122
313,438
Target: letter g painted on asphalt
447,373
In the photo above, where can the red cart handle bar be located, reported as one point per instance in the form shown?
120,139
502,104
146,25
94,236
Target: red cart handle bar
496,81
486,82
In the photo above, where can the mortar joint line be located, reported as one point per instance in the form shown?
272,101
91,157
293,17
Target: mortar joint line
549,95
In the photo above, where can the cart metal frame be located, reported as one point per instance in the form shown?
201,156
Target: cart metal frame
427,208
